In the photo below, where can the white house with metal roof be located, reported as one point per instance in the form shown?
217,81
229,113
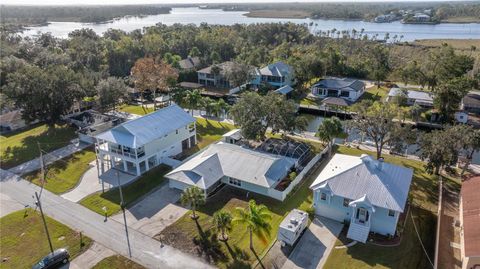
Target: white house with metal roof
346,88
367,193
140,144
412,97
277,74
224,163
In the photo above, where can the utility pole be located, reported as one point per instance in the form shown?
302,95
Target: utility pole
44,222
123,211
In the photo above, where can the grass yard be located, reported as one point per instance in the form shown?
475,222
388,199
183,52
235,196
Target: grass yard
21,146
375,94
136,109
200,239
23,241
63,175
117,262
132,192
309,101
208,132
409,254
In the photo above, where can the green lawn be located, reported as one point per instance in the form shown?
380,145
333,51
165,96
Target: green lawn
375,94
63,175
187,236
117,262
310,101
409,254
136,109
19,147
111,199
23,241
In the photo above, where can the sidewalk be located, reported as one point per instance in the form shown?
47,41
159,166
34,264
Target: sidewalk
49,158
90,257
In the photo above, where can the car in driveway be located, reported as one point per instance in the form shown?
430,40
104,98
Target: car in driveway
55,259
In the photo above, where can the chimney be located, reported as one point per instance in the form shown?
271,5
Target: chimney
380,164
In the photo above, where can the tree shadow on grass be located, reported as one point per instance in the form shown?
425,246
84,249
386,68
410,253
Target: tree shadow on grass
240,257
208,245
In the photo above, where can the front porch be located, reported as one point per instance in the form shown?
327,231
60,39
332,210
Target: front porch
362,211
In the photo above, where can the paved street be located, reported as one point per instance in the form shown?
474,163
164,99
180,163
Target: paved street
315,245
8,205
145,250
49,158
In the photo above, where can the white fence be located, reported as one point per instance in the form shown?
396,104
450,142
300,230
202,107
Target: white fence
281,195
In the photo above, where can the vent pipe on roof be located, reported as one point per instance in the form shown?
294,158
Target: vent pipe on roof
380,164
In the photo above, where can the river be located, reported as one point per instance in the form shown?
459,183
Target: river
194,15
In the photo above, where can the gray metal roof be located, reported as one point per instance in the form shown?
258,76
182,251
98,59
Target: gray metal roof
278,69
411,94
383,184
340,83
140,131
233,161
284,90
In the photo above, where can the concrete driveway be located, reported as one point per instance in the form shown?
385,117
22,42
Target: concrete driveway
315,245
90,257
156,211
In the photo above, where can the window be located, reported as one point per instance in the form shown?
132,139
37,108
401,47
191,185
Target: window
344,93
176,131
235,182
346,202
391,213
323,196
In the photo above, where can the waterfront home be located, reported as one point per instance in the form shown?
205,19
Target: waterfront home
215,75
469,223
140,144
421,98
190,63
233,165
368,194
471,102
345,88
277,74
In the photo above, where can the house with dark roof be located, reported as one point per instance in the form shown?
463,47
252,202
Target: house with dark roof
215,75
140,144
190,63
367,193
471,102
470,223
345,88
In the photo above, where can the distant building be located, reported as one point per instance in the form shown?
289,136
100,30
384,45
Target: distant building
424,99
345,88
471,102
420,17
470,223
140,144
12,121
367,193
190,63
278,74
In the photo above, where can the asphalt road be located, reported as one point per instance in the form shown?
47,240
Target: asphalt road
145,250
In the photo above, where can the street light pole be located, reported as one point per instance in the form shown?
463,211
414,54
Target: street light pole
44,222
122,205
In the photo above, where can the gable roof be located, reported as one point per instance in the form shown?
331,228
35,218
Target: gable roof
189,63
278,69
233,161
140,131
411,94
340,83
224,68
354,177
284,90
472,100
471,216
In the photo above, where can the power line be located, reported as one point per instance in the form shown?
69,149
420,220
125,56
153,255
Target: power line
420,239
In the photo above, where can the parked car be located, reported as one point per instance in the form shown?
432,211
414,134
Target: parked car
53,260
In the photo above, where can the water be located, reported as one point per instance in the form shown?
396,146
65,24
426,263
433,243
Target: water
197,16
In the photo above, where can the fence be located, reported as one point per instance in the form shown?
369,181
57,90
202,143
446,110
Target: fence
281,195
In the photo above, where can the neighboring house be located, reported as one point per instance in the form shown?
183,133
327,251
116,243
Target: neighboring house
210,78
12,121
140,144
369,194
420,17
424,99
346,88
471,102
285,90
278,74
190,63
470,223
224,163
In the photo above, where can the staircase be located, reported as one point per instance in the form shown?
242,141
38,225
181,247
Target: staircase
358,231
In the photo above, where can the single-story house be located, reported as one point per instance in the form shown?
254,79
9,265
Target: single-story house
424,99
232,137
470,223
367,193
190,63
277,74
285,90
240,167
12,121
346,88
471,102
140,144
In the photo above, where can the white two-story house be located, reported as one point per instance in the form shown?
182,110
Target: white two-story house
138,145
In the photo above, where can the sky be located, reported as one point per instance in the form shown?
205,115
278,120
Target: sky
131,2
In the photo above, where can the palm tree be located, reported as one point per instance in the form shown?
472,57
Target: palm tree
328,130
255,218
222,221
192,99
193,197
